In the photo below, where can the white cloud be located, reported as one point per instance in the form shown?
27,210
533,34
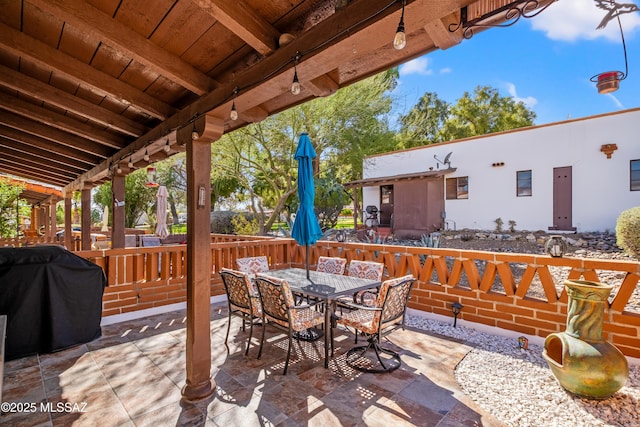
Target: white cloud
416,66
446,70
528,101
571,20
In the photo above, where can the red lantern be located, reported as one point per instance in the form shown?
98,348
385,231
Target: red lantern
151,178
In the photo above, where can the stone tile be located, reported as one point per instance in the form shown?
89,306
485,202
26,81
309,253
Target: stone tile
31,394
429,395
23,362
401,412
172,415
17,377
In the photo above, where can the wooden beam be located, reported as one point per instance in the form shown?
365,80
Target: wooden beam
30,173
43,144
322,85
22,45
93,22
11,157
439,32
254,115
28,151
61,99
60,121
54,135
240,19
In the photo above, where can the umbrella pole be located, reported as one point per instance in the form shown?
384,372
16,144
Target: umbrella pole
307,261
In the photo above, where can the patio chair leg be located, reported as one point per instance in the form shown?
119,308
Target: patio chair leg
286,364
246,352
226,338
262,338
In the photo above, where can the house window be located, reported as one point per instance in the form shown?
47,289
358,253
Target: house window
458,188
523,183
635,175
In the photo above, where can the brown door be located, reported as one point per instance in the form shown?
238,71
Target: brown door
386,205
562,199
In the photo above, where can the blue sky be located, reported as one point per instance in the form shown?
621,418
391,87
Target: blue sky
546,62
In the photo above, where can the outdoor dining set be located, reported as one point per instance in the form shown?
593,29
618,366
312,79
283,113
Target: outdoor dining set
309,304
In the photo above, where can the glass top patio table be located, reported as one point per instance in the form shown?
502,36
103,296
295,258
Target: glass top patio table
324,286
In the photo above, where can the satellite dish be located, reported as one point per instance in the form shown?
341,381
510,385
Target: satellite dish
446,160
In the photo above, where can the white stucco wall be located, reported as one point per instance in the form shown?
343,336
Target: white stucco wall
601,186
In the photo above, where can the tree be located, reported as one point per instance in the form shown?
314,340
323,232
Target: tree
343,128
422,124
11,207
487,112
139,199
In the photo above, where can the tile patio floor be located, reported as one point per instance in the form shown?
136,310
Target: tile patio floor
132,375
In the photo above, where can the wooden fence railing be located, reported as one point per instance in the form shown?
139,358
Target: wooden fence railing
518,292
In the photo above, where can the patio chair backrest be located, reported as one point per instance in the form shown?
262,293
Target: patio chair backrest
333,265
393,299
276,298
366,269
253,265
238,286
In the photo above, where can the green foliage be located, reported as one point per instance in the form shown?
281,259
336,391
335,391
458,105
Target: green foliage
422,124
499,224
138,198
245,224
487,112
346,212
628,231
330,198
9,218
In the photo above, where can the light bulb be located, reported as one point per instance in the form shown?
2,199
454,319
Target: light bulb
400,40
130,164
167,147
146,156
194,133
295,86
234,113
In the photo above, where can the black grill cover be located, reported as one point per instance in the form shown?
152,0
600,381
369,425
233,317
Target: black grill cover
52,299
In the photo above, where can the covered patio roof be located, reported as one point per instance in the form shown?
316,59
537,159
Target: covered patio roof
86,87
385,180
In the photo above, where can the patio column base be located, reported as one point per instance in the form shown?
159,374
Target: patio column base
194,393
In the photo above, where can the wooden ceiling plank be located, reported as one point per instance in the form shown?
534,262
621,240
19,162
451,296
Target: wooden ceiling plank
17,158
23,45
43,144
242,21
54,135
46,93
12,161
59,121
43,154
30,174
322,85
92,21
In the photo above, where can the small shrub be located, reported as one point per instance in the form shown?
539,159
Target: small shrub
499,224
221,222
346,212
628,231
245,225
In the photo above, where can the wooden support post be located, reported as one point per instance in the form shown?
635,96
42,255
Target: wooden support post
68,229
85,202
118,211
199,384
54,221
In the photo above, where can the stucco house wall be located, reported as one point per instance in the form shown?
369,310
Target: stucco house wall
600,185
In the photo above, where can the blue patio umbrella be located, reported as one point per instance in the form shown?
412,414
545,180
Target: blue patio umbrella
306,229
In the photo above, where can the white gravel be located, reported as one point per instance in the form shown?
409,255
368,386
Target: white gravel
518,388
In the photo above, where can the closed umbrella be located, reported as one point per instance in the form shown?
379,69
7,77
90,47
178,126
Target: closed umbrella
105,219
306,229
161,212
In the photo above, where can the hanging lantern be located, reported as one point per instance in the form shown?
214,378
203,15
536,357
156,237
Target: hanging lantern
151,178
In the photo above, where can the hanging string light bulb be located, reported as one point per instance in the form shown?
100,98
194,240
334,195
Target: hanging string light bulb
400,40
233,115
146,155
167,147
295,85
194,132
130,164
